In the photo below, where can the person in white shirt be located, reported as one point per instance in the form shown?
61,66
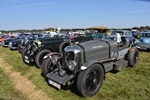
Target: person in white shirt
118,38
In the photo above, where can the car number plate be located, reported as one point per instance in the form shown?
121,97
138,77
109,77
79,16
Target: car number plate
54,84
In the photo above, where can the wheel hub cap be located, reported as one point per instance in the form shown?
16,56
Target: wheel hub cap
95,81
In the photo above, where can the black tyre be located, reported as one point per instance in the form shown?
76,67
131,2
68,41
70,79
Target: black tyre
47,66
19,48
24,54
133,56
39,57
90,80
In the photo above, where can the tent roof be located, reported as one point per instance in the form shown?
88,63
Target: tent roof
98,27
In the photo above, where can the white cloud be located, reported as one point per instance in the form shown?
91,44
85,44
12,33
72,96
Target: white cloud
36,4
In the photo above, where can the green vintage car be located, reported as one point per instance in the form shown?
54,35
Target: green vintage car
36,50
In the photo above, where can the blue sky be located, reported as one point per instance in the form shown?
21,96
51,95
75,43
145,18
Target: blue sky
40,14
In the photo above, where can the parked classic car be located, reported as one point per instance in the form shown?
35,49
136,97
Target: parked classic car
136,34
41,46
5,43
144,42
15,42
3,37
125,33
37,52
29,38
87,63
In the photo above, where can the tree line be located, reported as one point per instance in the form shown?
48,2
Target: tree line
141,28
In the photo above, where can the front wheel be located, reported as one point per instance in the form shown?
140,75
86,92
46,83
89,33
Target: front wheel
90,80
47,66
39,57
25,54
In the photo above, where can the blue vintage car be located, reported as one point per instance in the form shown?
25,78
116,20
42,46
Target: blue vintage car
144,42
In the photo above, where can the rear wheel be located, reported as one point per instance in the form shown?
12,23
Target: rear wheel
90,80
39,57
133,56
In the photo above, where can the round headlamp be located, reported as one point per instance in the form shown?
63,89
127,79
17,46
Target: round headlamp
72,65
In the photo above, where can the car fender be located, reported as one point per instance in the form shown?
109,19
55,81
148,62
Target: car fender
45,47
89,63
50,54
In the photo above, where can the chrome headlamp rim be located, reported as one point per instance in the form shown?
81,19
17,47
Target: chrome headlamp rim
72,64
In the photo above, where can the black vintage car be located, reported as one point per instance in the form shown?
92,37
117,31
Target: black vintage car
86,63
36,50
12,43
5,43
27,40
15,42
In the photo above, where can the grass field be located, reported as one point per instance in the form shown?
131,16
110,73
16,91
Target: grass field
128,84
7,88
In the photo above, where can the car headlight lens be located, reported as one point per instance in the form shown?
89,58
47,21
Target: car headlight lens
72,65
